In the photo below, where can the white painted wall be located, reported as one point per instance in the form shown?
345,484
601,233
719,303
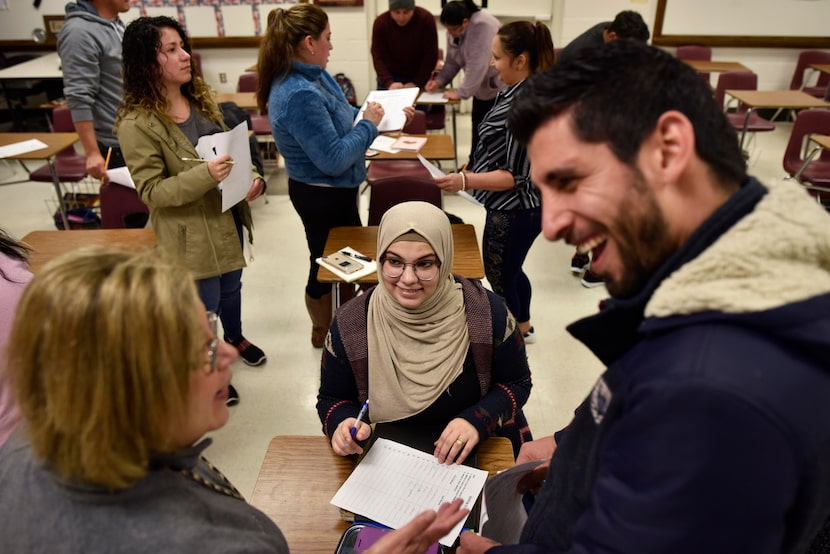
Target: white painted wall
351,30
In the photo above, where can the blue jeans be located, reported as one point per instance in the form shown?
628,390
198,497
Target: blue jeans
223,294
508,236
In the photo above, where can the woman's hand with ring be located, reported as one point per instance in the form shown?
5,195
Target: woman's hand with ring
458,439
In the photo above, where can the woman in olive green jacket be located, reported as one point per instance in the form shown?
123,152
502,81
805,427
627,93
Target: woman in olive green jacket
166,108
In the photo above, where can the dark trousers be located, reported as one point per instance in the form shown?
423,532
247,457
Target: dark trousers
480,109
116,157
508,236
320,209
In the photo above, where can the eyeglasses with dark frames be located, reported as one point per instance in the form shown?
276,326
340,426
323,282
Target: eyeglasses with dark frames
425,270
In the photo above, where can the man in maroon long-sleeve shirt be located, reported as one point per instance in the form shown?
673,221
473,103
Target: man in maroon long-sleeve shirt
404,45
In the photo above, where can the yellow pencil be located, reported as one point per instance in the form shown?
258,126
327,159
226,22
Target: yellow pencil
107,161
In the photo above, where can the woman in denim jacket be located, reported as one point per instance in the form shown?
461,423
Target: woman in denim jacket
313,126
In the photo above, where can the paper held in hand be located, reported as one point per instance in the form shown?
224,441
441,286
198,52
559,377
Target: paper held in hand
393,102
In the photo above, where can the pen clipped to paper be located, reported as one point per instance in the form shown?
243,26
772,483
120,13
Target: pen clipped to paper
229,162
360,257
360,417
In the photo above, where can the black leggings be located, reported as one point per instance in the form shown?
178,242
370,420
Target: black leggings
320,209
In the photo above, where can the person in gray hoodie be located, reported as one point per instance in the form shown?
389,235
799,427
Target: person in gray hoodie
89,46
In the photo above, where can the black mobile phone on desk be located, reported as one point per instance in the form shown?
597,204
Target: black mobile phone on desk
360,536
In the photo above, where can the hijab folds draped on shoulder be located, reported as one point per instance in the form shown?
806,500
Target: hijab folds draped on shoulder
415,354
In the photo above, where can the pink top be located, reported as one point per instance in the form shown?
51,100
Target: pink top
11,288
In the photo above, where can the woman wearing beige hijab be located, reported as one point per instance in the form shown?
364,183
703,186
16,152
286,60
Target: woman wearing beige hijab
424,347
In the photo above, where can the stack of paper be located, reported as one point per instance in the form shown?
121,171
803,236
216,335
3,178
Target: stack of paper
393,102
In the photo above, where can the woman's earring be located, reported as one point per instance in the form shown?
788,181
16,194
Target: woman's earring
312,52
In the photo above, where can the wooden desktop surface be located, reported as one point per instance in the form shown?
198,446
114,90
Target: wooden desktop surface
301,474
821,140
43,67
788,99
55,142
47,245
706,66
466,261
438,147
245,100
823,67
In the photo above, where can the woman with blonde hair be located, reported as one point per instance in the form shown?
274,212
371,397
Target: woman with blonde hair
119,373
313,126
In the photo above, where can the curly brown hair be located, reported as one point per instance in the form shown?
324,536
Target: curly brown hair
142,75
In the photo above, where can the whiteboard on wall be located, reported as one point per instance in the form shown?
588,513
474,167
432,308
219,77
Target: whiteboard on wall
797,23
788,18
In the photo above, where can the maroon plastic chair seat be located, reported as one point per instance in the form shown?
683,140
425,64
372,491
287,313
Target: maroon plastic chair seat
121,207
390,191
805,59
817,172
69,165
741,80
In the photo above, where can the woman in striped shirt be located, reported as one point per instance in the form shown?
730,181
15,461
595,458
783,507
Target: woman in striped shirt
500,171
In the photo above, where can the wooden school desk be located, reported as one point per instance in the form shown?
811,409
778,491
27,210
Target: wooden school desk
301,474
466,260
438,147
55,142
47,245
785,99
706,66
42,67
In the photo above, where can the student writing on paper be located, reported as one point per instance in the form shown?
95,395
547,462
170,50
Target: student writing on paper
424,346
166,108
404,45
119,374
470,33
500,176
313,125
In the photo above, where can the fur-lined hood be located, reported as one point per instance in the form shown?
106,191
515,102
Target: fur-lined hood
777,255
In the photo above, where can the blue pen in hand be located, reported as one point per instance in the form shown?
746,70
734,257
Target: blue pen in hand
360,417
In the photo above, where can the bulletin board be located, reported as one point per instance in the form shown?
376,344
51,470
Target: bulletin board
209,23
743,23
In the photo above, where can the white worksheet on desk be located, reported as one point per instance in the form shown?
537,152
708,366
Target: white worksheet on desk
394,483
22,147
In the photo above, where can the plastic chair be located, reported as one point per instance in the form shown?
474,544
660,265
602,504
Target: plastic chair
741,80
197,63
806,58
381,169
811,171
695,52
121,207
70,166
394,190
260,124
